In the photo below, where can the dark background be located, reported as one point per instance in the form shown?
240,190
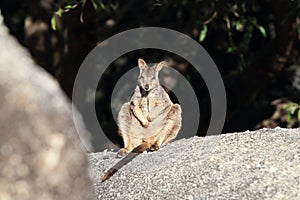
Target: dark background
255,45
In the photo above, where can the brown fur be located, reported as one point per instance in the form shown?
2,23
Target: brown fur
150,119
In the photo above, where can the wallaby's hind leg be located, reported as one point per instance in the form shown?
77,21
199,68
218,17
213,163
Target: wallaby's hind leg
171,128
123,122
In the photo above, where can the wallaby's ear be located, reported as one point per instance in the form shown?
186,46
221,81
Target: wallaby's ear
160,65
142,64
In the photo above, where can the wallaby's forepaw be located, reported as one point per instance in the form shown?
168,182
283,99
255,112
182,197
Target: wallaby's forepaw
145,124
149,118
122,152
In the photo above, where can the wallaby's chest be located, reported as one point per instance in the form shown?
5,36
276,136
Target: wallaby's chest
150,102
145,104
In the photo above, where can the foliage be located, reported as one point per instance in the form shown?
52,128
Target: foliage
97,4
238,16
293,110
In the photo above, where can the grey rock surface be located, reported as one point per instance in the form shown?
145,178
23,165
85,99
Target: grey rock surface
41,156
263,164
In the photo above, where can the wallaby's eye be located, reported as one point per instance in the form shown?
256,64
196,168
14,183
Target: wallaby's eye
153,79
142,77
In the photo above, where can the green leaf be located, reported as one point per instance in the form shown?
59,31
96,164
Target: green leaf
293,110
203,33
102,5
59,12
84,2
53,23
242,63
288,118
229,49
95,5
68,6
286,107
239,26
262,30
299,115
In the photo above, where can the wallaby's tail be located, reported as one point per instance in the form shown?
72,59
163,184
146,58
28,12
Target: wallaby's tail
118,165
135,152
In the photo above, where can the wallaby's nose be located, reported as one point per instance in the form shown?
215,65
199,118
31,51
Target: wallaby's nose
146,87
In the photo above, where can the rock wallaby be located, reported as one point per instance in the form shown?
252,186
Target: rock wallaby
149,119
